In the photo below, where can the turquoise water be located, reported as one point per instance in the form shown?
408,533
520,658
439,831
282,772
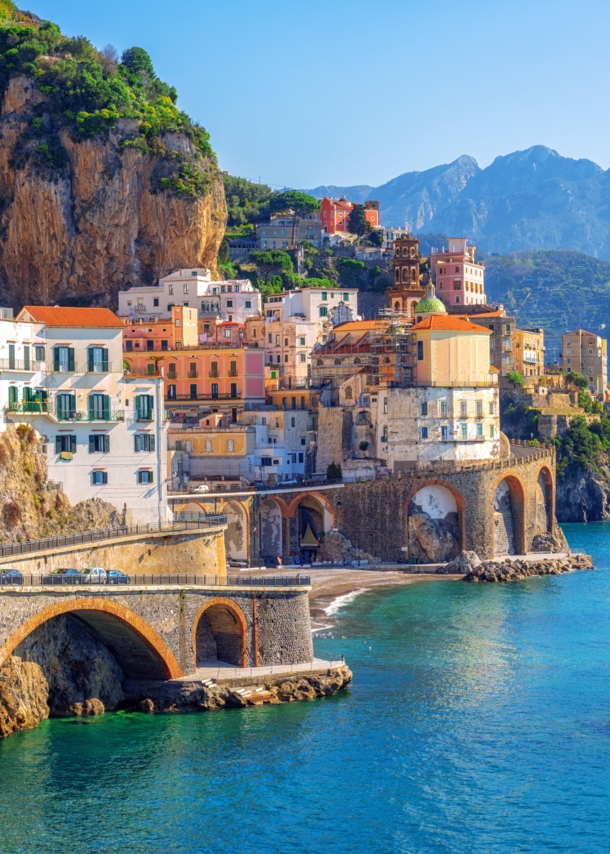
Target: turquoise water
478,721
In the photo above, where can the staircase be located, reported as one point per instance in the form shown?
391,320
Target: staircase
504,530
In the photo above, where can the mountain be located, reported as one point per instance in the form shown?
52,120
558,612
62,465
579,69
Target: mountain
557,290
527,200
104,182
359,193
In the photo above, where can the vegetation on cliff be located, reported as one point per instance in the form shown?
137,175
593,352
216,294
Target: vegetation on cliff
87,92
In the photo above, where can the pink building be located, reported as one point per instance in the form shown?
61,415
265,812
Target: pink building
458,278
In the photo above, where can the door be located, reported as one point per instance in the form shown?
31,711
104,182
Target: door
99,407
13,398
11,357
215,391
66,407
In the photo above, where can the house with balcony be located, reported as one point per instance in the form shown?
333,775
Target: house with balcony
104,433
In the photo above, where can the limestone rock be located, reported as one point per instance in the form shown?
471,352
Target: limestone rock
147,706
550,543
516,570
337,548
90,708
23,696
432,540
464,563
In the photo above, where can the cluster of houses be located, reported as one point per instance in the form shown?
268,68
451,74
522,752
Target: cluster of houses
195,379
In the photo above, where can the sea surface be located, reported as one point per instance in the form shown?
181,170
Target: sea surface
478,721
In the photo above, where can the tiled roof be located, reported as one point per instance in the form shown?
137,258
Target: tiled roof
53,315
448,323
483,314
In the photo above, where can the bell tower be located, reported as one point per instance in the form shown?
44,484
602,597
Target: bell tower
407,290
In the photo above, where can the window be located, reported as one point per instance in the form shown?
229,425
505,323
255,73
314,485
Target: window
479,408
145,476
464,428
303,441
213,369
144,407
39,353
99,407
301,341
150,345
302,358
590,370
208,445
266,461
171,392
286,358
145,442
129,346
424,409
150,369
457,285
277,340
463,408
264,422
248,304
492,344
156,302
271,339
185,288
491,409
444,434
164,345
254,333
508,360
285,342
170,291
323,311
99,477
491,431
177,323
193,391
63,359
65,444
420,351
444,408
233,369
230,446
99,444
508,328
346,297
424,432
301,457
214,391
590,351
479,431
324,296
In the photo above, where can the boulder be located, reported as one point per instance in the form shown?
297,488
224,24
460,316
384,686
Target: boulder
23,696
464,563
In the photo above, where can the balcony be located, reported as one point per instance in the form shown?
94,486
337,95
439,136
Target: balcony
192,375
204,397
233,373
145,415
100,367
26,365
213,374
63,414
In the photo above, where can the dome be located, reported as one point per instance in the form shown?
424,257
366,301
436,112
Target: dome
430,305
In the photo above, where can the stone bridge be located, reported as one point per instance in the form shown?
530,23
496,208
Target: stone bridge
167,631
428,515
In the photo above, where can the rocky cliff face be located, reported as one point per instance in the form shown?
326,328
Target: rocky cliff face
583,495
105,220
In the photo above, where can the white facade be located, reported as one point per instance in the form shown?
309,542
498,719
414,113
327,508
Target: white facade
23,362
105,433
311,304
232,300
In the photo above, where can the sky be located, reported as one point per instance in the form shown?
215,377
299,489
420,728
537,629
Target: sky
298,94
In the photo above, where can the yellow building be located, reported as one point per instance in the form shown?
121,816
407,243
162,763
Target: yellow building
529,352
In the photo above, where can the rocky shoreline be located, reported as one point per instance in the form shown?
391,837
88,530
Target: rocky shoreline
519,570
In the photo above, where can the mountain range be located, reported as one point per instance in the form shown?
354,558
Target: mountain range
528,200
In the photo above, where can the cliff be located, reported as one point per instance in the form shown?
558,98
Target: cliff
104,183
583,494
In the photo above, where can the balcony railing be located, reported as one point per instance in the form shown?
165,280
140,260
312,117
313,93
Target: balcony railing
145,415
213,374
100,367
219,396
28,365
60,413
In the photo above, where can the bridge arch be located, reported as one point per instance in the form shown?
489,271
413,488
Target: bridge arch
435,518
220,632
139,650
237,534
545,501
271,513
509,515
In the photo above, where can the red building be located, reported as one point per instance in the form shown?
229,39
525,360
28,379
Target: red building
335,214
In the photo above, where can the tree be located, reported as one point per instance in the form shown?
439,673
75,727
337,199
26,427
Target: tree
357,222
269,262
297,203
333,472
350,272
376,237
574,378
515,379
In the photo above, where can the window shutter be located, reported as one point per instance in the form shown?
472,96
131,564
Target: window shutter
150,402
90,360
136,443
106,406
55,358
91,444
139,477
104,477
150,477
72,404
58,443
139,406
70,358
73,444
152,443
106,444
105,359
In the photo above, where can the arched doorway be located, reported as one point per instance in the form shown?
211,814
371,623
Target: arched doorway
544,502
219,634
270,529
236,534
508,517
434,525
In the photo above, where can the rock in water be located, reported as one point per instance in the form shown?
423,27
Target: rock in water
23,696
464,563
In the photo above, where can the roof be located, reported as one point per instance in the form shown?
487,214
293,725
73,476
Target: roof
54,315
430,304
362,326
493,368
448,323
499,313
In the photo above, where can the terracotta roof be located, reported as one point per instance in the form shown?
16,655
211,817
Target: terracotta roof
493,368
361,325
53,315
484,314
448,323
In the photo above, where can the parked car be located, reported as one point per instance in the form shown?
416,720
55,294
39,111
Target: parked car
238,564
10,576
63,576
115,576
201,488
258,484
292,481
94,575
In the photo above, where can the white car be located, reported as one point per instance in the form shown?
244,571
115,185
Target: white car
203,488
95,575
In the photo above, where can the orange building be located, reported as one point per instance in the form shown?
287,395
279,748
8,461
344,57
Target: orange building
335,214
180,330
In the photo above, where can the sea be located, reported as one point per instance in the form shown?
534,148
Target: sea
478,721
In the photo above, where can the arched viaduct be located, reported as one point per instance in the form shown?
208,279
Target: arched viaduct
490,508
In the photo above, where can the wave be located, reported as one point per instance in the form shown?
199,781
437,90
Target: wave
341,601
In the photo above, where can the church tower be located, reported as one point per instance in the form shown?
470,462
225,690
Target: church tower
407,290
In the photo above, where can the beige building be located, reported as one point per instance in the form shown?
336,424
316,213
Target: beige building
586,353
529,352
277,233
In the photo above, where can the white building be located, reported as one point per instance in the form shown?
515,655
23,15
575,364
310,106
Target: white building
232,300
105,433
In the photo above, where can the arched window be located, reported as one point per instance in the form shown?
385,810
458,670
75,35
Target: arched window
397,275
405,275
357,361
396,306
337,361
320,361
348,392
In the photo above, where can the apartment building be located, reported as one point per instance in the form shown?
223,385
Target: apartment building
194,288
278,232
529,352
105,433
180,330
334,214
502,344
587,354
458,278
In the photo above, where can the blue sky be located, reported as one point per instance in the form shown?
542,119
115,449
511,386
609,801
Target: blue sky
308,93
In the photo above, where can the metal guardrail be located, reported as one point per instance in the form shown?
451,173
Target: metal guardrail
155,581
31,546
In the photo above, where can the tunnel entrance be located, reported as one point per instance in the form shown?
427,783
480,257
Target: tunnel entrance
220,635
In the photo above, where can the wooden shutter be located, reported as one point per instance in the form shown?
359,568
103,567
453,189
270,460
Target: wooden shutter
90,360
70,358
72,444
136,443
152,443
91,444
106,444
106,407
55,358
58,445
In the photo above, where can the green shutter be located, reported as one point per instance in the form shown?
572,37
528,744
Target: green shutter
106,407
55,358
90,361
91,444
151,443
106,444
70,358
58,445
105,359
136,443
73,444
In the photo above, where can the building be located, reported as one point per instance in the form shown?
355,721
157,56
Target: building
105,433
334,214
205,378
458,278
502,344
429,394
180,330
529,352
407,290
294,322
278,232
227,300
587,354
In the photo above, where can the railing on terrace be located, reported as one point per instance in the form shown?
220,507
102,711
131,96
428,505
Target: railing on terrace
31,546
30,407
155,581
28,365
219,396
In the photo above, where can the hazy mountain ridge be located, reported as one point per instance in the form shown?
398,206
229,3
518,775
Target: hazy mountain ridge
528,200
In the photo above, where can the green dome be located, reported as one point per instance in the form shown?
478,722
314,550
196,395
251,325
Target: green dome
432,305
